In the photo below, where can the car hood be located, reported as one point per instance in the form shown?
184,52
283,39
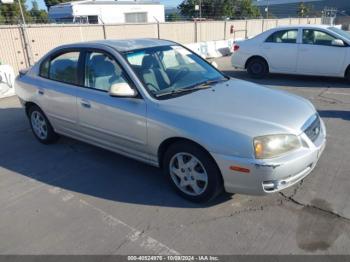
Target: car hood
244,107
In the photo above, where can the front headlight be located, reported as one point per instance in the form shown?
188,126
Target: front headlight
275,145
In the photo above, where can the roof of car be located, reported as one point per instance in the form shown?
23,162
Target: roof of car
302,26
126,45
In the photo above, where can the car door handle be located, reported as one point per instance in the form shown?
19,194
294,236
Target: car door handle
85,104
41,92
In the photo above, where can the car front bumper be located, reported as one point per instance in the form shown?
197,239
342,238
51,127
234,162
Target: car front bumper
269,176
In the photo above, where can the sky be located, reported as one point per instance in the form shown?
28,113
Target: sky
167,3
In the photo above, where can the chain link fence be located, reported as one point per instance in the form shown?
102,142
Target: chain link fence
22,46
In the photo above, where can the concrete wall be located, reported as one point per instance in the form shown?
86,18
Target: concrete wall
42,38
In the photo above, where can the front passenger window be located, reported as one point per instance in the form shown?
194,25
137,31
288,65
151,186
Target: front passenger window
315,37
101,72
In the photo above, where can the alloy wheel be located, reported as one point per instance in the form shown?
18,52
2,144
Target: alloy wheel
188,174
39,125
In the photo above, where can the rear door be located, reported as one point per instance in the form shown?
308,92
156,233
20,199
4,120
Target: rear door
317,55
281,50
58,86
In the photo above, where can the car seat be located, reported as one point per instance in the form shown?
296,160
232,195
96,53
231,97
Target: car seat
154,77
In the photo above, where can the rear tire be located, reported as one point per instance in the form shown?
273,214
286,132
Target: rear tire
257,68
192,172
41,126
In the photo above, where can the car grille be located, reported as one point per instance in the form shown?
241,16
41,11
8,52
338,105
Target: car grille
314,129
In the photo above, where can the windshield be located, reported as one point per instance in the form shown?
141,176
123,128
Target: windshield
340,32
171,69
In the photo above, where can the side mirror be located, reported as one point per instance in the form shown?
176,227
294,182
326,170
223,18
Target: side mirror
122,90
338,42
214,64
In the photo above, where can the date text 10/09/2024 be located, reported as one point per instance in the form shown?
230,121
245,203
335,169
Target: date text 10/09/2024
173,258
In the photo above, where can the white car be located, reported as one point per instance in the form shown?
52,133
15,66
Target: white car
303,50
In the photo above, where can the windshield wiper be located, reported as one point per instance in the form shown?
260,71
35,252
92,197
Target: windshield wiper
203,85
183,90
210,82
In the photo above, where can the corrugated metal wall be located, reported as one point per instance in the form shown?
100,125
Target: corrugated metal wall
42,38
183,32
12,47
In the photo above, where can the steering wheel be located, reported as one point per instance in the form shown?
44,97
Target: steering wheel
181,72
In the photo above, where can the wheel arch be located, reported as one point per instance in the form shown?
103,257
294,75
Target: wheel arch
172,140
28,105
347,72
257,57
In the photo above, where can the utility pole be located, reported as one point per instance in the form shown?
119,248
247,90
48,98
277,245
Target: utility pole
267,9
22,14
25,36
200,10
23,26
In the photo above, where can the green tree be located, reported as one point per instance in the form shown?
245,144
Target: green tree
2,18
303,10
218,9
247,9
11,14
38,15
173,17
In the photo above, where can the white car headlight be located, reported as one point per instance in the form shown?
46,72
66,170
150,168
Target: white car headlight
275,145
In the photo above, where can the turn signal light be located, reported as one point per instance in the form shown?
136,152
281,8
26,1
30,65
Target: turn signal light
240,169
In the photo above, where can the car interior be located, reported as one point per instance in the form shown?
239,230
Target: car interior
101,72
159,73
286,37
153,76
312,37
64,70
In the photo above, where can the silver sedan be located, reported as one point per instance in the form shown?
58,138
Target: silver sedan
160,103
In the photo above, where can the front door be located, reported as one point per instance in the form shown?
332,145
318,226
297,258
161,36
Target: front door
113,122
317,55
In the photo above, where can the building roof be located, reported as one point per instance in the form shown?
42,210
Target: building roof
112,2
126,45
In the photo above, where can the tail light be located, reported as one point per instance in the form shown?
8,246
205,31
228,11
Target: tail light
235,48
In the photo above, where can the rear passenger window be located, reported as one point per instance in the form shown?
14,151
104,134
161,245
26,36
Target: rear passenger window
64,68
284,37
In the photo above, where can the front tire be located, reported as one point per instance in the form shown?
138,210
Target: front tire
192,172
257,68
347,74
41,126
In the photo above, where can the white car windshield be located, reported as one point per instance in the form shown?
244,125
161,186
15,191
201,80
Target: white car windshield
340,32
171,69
